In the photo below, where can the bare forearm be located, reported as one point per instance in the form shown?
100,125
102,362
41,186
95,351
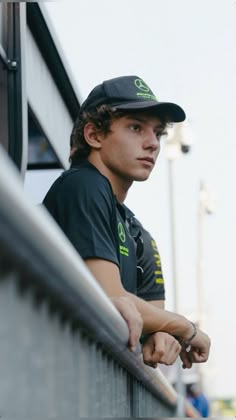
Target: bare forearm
158,303
153,318
156,319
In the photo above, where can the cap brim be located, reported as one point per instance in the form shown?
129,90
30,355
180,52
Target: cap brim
172,111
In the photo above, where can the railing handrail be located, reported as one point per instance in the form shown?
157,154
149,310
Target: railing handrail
32,235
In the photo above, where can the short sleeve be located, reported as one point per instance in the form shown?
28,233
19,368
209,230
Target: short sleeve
83,205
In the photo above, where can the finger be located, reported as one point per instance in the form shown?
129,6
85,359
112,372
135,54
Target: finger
135,330
171,357
159,345
198,357
153,351
159,356
148,358
148,353
152,365
133,318
187,363
172,350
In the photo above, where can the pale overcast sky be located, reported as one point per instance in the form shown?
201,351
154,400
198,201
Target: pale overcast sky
185,50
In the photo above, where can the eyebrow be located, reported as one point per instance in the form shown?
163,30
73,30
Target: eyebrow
144,120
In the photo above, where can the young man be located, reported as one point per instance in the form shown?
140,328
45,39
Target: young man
117,142
157,347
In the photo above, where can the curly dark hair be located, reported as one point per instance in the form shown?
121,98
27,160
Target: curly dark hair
102,119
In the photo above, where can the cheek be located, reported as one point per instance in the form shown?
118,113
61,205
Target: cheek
122,149
158,150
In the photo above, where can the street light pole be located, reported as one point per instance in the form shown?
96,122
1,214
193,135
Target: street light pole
206,206
173,235
180,388
177,143
200,304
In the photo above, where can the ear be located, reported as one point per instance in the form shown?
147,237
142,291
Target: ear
92,136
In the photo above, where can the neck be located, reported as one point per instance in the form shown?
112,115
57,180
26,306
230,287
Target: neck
120,186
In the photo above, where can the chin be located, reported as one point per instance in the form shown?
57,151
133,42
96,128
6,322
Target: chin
142,177
138,176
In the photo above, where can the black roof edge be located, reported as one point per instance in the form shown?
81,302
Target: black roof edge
47,47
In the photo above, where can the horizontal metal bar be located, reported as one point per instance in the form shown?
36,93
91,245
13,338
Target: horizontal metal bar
32,236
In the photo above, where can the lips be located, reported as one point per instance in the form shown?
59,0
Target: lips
148,159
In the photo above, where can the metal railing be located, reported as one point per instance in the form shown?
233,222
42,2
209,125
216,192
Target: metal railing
63,346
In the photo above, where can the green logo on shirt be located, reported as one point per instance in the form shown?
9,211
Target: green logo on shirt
124,250
121,232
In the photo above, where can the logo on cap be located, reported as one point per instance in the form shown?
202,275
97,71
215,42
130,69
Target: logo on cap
141,85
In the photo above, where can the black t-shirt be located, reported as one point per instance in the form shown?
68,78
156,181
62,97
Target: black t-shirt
82,202
150,281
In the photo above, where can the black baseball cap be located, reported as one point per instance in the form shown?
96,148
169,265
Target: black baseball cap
130,93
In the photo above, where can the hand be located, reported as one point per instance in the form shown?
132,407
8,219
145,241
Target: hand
133,318
160,347
198,351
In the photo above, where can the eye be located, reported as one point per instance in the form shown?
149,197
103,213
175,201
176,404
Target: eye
135,127
161,134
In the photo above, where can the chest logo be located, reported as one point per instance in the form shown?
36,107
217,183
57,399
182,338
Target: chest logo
121,232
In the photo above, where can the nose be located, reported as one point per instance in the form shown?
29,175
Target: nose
151,141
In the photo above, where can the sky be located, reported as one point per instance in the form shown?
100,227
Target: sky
185,51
